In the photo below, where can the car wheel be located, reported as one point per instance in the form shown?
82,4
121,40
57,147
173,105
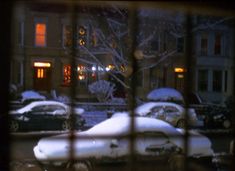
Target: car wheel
226,123
176,163
66,125
181,123
82,166
14,126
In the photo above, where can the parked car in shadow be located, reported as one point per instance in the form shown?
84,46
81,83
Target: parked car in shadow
110,140
45,115
217,117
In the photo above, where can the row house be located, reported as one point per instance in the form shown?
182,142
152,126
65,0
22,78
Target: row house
214,57
43,49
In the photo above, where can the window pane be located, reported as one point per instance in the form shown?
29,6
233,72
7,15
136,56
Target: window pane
204,45
202,80
217,81
180,45
40,34
67,36
67,74
217,44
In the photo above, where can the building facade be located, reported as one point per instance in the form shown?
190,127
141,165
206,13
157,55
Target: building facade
45,48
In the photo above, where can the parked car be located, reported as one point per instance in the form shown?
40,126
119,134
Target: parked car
170,112
45,115
109,141
218,117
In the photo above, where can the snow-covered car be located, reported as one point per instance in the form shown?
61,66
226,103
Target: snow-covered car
170,112
45,115
109,141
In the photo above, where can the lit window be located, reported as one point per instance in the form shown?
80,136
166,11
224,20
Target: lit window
81,72
40,73
40,34
42,64
67,74
82,33
110,67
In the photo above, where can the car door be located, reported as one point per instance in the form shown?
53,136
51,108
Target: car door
54,116
172,114
158,112
36,117
156,144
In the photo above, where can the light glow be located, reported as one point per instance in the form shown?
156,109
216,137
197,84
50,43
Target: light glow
179,70
42,64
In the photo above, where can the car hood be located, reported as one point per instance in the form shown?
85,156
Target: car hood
198,144
61,147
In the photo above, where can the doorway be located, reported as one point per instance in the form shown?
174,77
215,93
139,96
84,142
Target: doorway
42,76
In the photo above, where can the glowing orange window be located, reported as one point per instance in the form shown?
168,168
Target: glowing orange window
40,73
40,34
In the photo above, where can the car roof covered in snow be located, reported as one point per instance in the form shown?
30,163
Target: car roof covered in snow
145,108
38,103
165,94
121,126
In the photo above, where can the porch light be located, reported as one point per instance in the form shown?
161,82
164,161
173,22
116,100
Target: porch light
179,70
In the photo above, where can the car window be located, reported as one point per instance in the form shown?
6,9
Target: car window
37,109
56,109
52,108
171,109
156,109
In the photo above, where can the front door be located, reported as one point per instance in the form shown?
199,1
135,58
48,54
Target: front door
42,78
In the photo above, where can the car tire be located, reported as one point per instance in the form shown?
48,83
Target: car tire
66,125
14,126
176,163
226,124
82,166
181,123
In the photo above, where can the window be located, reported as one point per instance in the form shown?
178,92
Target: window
82,36
40,73
203,80
204,44
67,36
225,81
67,74
217,45
81,77
40,34
82,74
217,80
180,44
21,34
94,39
